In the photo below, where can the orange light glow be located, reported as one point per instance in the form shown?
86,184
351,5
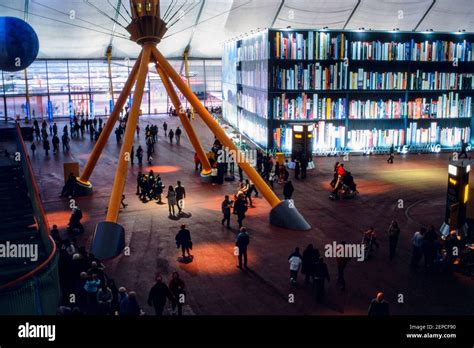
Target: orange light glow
61,218
162,169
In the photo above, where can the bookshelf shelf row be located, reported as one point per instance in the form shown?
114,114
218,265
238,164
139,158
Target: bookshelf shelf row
365,89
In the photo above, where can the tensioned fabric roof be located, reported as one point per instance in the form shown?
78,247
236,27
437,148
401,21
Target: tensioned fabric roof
82,28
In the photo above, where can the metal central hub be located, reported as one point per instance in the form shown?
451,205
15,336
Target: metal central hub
146,26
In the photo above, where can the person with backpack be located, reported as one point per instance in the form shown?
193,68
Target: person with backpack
295,260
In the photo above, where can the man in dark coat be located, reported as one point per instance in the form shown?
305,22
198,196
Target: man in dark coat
288,190
180,196
242,243
378,306
321,274
158,295
240,207
183,240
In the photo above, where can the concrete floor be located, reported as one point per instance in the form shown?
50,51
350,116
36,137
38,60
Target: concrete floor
215,286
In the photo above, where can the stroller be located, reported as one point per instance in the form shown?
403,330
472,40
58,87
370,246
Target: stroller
348,188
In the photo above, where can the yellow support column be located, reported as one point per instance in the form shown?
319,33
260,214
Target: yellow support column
262,186
121,172
188,127
109,126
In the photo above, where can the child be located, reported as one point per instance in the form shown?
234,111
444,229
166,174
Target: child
295,261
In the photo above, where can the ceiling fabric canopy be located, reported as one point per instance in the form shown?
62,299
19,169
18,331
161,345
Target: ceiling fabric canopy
82,29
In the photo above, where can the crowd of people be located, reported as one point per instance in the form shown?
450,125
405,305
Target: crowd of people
87,289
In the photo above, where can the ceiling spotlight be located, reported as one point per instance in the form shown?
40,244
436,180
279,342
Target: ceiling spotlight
396,29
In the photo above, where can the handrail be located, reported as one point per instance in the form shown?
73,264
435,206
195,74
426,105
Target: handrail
38,268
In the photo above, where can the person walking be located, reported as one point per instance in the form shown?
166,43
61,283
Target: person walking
242,243
295,260
139,155
378,306
417,243
226,207
158,295
177,288
310,257
178,133
297,169
165,127
321,274
393,235
183,241
180,196
391,154
55,142
288,190
171,136
46,146
171,196
33,149
240,208
463,152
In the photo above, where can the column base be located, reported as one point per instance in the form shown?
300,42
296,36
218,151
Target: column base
285,215
108,241
82,189
206,177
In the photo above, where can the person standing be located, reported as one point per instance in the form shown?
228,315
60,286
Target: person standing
178,133
393,235
417,242
304,167
46,146
183,240
197,162
158,295
139,155
240,208
295,260
55,142
242,243
463,152
226,207
180,196
171,136
297,169
310,257
378,306
392,155
171,196
177,288
33,148
429,248
341,266
288,190
321,274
